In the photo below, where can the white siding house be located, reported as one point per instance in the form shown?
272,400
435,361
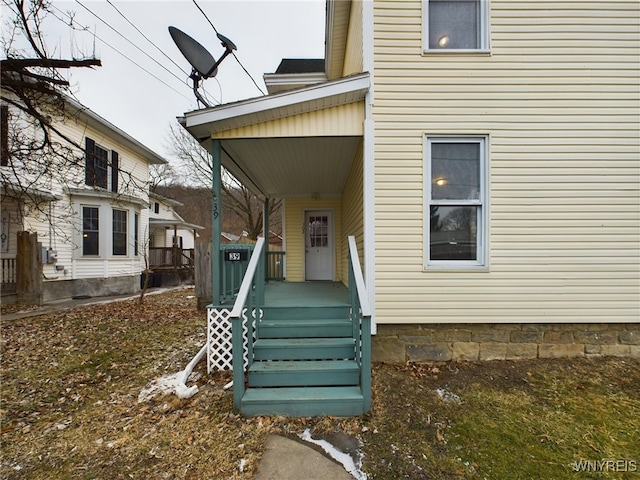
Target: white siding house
90,214
167,228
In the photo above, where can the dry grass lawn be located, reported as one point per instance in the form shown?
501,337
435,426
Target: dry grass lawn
70,408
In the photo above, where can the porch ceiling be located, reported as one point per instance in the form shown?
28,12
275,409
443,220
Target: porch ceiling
293,166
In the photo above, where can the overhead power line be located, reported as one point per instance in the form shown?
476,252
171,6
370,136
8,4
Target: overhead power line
232,53
123,55
130,42
147,39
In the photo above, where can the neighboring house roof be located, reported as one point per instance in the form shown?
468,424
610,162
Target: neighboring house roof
230,236
293,73
301,65
167,200
176,221
173,223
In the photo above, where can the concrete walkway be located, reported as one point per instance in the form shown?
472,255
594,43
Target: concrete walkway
292,459
69,303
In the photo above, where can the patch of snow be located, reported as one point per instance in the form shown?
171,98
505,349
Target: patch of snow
160,386
448,397
174,383
242,464
345,459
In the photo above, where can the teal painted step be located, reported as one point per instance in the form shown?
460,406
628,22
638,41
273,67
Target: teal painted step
303,348
304,313
304,373
305,328
303,401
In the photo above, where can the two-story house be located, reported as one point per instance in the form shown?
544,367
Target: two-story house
90,211
484,154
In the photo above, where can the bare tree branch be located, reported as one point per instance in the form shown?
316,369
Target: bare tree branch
195,165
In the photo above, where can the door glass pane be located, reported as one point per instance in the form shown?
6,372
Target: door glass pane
453,233
455,171
454,24
318,231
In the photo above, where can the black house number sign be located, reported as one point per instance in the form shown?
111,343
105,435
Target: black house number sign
236,255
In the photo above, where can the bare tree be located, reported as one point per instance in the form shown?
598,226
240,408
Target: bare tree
161,176
40,161
196,168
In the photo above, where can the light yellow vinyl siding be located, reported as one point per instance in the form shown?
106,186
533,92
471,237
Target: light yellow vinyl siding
558,98
294,227
353,52
352,212
342,120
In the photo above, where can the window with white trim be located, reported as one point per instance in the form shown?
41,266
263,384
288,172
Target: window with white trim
456,202
456,25
90,231
119,232
136,228
97,165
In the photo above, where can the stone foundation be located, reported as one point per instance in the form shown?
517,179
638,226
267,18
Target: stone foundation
472,342
92,287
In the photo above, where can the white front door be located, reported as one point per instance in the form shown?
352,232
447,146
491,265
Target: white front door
318,245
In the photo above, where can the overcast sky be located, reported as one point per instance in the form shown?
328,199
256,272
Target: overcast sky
144,104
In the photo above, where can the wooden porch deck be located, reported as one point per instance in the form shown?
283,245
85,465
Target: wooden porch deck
305,294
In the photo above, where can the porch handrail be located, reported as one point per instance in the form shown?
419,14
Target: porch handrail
358,277
246,294
361,319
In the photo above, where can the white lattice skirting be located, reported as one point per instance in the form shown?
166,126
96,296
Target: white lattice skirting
219,353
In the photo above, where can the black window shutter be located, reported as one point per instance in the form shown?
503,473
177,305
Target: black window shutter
115,170
4,156
90,167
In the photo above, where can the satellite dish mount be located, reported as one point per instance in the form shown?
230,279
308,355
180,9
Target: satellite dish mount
202,62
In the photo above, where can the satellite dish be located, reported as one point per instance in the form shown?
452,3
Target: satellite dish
203,63
198,56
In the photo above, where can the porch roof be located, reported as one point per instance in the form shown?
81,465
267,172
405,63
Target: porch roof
169,223
289,144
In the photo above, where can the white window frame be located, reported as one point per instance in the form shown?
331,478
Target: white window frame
484,46
127,232
482,248
100,231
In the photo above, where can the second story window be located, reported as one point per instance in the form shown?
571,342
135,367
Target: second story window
97,166
455,25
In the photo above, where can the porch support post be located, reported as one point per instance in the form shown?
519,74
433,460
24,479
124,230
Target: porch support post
265,229
216,220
